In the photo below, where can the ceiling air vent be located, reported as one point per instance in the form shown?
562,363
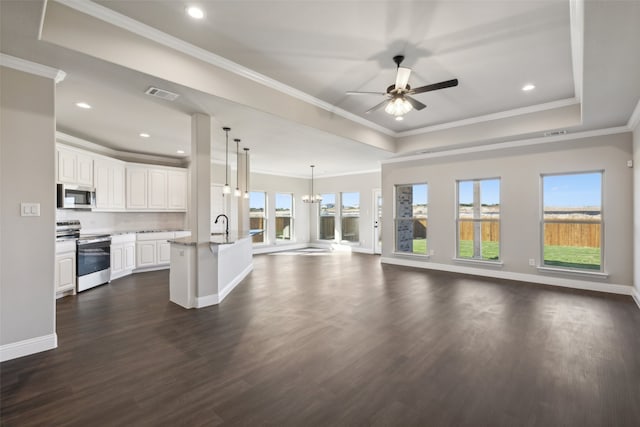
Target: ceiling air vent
555,133
161,93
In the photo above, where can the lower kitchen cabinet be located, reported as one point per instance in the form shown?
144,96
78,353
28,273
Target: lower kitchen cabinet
65,268
123,255
153,251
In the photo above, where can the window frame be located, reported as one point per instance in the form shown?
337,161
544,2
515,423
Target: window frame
457,256
290,216
412,218
265,219
578,270
320,216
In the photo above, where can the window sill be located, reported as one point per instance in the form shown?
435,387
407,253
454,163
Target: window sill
410,255
597,274
494,264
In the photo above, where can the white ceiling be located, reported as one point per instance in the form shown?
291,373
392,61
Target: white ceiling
327,48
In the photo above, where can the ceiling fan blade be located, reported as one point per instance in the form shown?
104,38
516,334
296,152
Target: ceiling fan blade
415,103
377,106
435,86
365,93
402,77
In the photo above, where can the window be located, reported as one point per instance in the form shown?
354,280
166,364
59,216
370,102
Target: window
572,221
411,218
350,217
327,225
284,216
479,219
258,215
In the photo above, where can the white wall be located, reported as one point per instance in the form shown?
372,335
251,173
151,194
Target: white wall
272,184
360,183
520,169
27,248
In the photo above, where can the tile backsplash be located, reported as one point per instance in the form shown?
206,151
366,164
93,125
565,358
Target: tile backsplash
101,222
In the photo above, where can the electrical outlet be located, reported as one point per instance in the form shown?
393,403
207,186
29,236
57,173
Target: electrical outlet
432,252
532,262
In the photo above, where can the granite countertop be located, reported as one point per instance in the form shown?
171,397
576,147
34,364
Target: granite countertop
217,238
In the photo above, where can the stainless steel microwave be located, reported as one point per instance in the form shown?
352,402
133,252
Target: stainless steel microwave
75,197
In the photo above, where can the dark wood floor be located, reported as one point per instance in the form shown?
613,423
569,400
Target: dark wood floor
335,339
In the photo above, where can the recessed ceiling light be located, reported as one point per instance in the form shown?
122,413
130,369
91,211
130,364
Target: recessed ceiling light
180,151
195,12
83,105
528,87
399,118
144,135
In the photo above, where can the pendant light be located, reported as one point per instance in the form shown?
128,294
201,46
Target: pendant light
246,169
237,192
312,198
227,188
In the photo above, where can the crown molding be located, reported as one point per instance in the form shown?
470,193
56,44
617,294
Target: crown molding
114,18
509,144
32,67
126,156
634,119
493,116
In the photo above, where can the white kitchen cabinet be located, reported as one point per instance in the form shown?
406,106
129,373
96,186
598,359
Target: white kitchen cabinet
85,170
153,251
123,259
157,189
146,254
65,268
109,183
177,190
67,161
164,252
136,187
74,167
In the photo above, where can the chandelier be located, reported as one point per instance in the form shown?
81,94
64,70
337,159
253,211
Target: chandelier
312,198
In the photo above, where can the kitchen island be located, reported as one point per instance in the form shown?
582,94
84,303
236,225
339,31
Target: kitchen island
204,273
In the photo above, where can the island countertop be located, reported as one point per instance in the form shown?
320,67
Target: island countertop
217,238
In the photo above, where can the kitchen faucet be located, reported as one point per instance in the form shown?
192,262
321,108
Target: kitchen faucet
226,222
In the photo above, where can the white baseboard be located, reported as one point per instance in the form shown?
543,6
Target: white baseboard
636,296
339,247
279,248
214,299
522,277
124,273
27,347
151,268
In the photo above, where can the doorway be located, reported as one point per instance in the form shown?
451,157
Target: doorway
377,221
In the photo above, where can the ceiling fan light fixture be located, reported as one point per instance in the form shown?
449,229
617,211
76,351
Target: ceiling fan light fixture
399,118
398,107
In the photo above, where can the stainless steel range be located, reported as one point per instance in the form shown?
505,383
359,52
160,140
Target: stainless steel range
93,255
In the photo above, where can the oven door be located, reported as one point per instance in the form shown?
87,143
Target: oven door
93,257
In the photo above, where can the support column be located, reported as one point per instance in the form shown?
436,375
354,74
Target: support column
200,177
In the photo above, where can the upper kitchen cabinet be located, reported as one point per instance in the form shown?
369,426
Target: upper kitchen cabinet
177,189
109,180
74,167
154,188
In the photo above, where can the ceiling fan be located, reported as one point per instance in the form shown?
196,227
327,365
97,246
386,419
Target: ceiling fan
398,102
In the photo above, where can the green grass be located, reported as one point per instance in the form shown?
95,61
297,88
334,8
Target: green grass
490,250
572,257
419,246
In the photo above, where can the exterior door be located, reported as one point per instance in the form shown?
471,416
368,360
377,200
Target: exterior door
377,221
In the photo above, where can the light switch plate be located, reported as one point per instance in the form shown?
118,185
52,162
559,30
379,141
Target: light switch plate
29,209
